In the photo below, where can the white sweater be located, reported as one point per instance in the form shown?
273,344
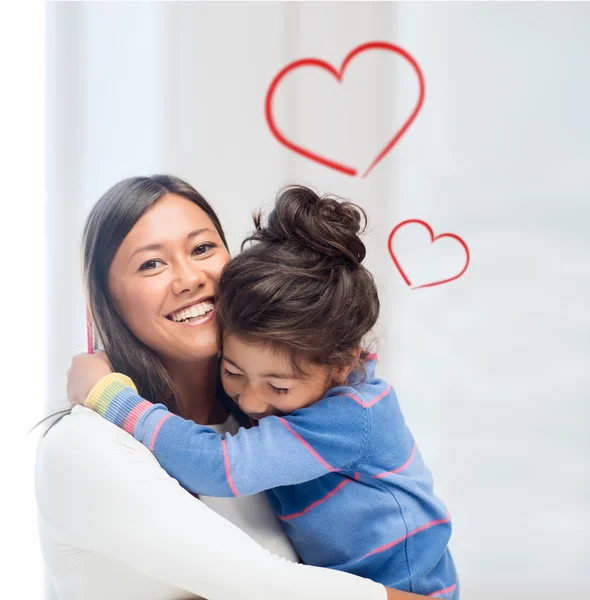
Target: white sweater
114,525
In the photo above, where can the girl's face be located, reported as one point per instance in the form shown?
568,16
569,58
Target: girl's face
163,276
262,382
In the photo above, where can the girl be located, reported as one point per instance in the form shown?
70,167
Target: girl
331,447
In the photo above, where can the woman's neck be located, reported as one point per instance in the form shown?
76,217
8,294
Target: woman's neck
196,385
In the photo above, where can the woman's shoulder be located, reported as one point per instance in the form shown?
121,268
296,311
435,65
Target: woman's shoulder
84,435
84,458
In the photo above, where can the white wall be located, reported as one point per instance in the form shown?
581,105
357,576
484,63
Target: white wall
22,290
491,369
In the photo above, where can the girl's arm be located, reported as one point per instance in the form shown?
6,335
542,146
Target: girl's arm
103,491
308,443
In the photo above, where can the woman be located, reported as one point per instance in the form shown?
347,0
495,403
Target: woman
112,523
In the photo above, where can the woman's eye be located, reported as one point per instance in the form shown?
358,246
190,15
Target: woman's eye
150,265
231,375
277,390
202,248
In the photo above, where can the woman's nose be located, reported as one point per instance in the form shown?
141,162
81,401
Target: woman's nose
188,277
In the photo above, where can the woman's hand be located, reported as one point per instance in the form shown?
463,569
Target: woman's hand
85,372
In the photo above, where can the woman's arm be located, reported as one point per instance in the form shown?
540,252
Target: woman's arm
104,492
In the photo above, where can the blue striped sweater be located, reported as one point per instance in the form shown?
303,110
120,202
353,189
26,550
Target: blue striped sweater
344,476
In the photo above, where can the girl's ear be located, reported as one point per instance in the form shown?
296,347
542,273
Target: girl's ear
340,374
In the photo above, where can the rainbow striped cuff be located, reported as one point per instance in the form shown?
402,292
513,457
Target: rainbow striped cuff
115,398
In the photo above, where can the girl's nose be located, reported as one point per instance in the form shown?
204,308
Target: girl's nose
250,404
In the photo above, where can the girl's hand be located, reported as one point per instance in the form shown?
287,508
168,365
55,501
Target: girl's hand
85,372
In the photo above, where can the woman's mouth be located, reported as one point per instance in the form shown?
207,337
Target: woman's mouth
196,314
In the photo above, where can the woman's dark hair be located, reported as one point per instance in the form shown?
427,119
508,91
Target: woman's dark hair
108,223
300,286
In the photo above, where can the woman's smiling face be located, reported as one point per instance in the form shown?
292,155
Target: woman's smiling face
163,279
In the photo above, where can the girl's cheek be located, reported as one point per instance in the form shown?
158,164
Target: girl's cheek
229,386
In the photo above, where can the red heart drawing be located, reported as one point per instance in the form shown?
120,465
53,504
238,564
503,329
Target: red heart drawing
433,238
315,62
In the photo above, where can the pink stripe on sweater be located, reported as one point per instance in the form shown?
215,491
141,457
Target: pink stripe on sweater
298,437
399,469
228,476
446,590
157,430
372,402
133,416
405,537
320,501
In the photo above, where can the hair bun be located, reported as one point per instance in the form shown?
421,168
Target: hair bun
326,225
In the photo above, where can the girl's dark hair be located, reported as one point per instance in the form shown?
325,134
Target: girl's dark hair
300,285
108,223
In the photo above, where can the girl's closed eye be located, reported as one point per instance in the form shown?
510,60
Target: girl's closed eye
277,390
229,374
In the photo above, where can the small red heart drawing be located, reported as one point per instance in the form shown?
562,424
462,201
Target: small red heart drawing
338,74
433,238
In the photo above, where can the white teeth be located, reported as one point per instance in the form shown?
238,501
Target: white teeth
196,310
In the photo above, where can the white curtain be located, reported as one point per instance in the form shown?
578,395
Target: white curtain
491,369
